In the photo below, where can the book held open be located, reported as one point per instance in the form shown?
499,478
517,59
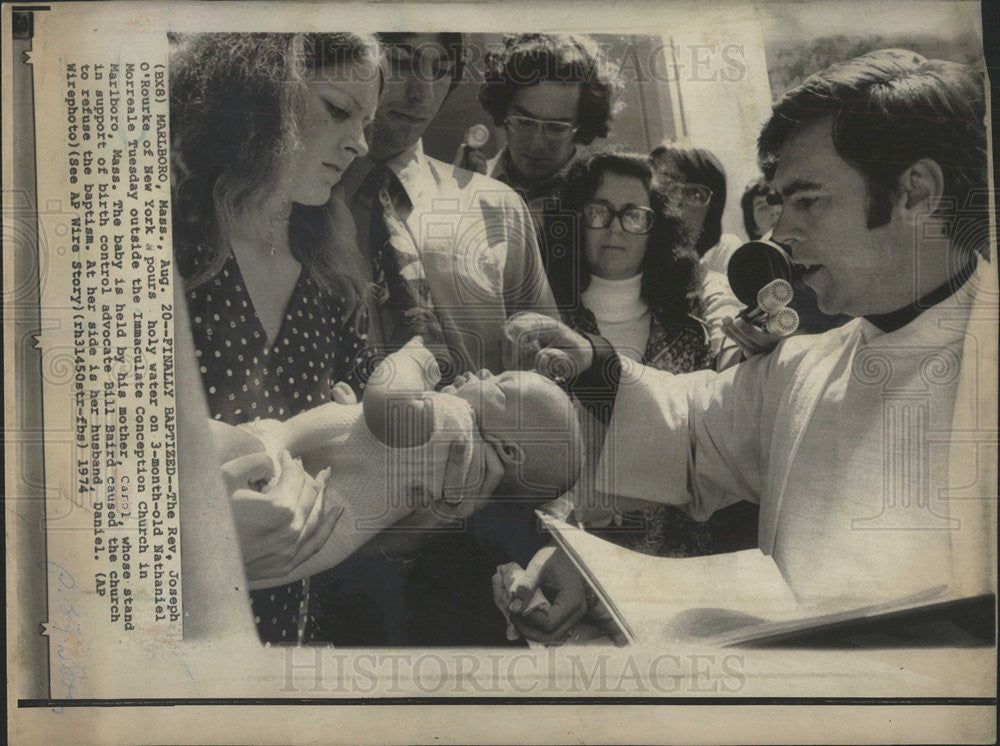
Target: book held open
717,600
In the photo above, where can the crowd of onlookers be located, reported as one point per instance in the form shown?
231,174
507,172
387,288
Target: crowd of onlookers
315,236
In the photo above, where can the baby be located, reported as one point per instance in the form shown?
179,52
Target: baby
388,454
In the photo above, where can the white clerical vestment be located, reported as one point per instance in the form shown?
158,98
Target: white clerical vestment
871,482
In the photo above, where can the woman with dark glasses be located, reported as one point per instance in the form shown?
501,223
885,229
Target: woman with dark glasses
695,182
642,291
640,284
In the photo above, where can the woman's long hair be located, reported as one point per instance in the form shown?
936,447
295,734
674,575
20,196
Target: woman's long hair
698,166
671,271
235,101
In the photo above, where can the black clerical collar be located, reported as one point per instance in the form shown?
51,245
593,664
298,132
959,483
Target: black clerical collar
890,322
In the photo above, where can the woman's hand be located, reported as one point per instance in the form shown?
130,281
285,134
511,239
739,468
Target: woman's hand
281,528
472,473
555,350
468,484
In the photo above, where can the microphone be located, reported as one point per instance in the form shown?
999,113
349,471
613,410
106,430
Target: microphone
782,323
760,274
474,138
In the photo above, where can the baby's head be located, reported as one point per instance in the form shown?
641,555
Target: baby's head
533,426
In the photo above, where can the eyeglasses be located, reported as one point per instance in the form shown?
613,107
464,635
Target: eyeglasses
634,219
553,129
691,195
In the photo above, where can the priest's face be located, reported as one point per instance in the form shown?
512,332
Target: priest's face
853,269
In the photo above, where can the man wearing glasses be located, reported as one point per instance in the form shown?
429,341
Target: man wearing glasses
552,94
473,235
697,180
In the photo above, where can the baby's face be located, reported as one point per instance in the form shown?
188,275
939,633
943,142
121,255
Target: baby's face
531,424
504,403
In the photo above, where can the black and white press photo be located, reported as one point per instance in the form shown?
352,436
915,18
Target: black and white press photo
502,355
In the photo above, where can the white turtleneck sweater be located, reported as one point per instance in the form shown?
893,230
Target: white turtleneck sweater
622,316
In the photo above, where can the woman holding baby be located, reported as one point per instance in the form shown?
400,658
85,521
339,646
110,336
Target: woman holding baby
264,125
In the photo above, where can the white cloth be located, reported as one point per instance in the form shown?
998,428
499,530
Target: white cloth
478,248
622,315
493,165
843,438
716,259
376,485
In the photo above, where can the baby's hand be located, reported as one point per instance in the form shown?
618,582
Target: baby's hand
342,393
412,366
416,350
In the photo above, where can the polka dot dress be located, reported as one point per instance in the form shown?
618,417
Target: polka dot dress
322,340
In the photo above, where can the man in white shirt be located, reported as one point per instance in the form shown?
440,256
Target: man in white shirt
475,239
848,440
479,255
